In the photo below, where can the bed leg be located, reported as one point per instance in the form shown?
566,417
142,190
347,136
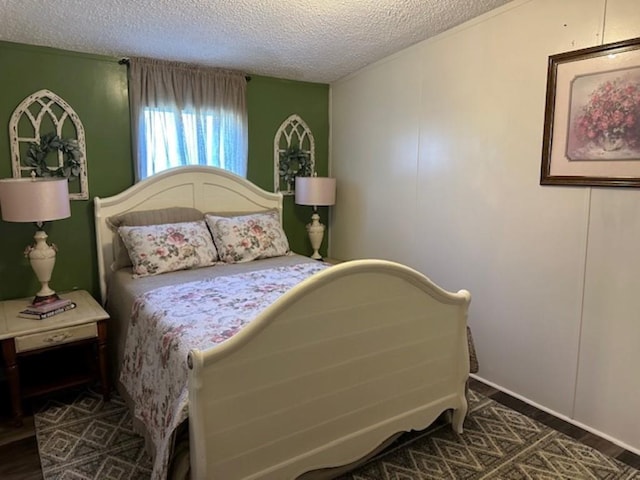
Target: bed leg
458,416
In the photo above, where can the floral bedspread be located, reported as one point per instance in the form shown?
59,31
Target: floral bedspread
169,321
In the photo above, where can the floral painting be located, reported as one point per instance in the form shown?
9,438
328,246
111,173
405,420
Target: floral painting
591,133
605,116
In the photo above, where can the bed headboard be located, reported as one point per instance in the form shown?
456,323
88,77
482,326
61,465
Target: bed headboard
209,189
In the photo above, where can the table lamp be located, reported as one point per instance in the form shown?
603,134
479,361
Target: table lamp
37,200
317,192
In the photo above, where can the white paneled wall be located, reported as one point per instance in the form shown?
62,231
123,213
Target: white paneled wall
437,154
382,172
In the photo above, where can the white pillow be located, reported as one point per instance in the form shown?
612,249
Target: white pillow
155,249
248,237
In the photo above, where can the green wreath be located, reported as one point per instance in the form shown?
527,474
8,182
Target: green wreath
294,162
38,153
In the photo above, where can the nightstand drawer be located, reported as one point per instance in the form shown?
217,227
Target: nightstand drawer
55,337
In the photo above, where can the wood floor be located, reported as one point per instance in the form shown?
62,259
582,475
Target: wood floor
19,455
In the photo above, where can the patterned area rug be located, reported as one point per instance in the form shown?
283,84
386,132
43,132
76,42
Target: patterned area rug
85,438
82,437
497,443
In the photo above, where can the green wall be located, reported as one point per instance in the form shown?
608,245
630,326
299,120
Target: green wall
270,102
96,87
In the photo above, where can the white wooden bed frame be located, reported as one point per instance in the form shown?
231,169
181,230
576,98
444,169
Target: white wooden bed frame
333,368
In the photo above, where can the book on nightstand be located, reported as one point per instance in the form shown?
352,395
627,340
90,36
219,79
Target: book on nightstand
41,312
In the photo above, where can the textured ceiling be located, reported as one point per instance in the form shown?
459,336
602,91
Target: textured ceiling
311,40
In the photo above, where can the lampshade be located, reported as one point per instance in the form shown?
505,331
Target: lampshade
34,199
315,191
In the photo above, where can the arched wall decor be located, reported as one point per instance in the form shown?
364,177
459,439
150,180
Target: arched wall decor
293,139
25,127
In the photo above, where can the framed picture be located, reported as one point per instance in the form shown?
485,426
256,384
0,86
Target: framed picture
592,117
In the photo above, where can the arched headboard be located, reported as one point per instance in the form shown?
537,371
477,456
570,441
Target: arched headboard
209,189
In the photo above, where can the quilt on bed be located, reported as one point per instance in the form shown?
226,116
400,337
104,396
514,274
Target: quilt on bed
169,321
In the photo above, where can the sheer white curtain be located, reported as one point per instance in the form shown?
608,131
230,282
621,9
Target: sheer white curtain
187,115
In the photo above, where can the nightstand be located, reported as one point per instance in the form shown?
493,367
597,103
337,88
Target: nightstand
332,261
65,350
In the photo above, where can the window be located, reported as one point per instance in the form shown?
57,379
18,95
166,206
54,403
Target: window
186,114
171,138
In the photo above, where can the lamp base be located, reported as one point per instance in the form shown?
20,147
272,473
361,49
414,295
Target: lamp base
42,257
43,300
316,232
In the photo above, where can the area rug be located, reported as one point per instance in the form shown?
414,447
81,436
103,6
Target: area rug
498,443
82,437
85,438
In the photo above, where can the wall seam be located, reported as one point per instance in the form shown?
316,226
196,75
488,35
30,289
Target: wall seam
414,247
582,301
604,21
586,259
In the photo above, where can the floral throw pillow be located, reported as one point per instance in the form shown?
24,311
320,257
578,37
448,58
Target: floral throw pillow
155,249
146,217
248,237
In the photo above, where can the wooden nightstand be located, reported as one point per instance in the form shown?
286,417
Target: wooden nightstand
62,351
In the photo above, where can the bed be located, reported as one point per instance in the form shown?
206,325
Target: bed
342,359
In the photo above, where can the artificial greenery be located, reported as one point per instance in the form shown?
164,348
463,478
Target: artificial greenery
294,162
50,142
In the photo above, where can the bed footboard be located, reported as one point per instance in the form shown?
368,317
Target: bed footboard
346,359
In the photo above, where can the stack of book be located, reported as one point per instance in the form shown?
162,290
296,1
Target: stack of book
46,310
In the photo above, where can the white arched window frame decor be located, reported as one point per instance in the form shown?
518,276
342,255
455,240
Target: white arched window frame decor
294,136
35,113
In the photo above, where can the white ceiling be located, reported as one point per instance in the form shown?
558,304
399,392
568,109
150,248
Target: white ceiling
311,40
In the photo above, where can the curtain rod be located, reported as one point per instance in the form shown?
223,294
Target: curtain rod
125,61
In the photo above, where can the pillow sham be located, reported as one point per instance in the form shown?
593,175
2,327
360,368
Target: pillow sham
146,217
156,249
244,238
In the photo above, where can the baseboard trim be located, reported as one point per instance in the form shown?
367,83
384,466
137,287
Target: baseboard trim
572,421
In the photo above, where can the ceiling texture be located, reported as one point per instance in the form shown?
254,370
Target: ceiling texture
309,40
